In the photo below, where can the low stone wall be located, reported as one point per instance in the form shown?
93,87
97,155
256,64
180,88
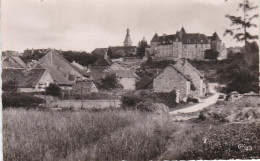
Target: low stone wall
87,104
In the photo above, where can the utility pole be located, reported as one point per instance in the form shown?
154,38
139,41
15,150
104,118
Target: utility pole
45,95
81,97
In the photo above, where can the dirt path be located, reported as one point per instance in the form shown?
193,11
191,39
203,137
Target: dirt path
197,107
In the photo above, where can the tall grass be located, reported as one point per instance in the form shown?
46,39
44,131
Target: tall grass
108,135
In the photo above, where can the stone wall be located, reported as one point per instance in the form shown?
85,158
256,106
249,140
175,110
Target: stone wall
170,80
87,104
127,83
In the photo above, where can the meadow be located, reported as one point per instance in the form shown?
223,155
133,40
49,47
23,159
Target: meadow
121,134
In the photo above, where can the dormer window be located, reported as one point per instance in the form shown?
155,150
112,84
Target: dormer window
201,40
188,40
177,39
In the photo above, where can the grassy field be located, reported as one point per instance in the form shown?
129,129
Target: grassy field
117,135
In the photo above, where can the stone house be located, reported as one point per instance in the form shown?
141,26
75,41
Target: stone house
35,80
196,77
185,45
173,79
126,78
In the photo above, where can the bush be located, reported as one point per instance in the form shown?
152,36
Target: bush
110,82
152,107
194,100
53,90
20,100
129,100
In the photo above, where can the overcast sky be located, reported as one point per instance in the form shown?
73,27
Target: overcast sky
89,24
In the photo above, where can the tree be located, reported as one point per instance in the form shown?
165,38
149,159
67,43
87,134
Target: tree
241,24
53,90
210,54
141,48
109,82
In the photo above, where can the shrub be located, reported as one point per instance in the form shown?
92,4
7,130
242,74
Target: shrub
152,107
20,100
110,82
53,90
194,100
129,100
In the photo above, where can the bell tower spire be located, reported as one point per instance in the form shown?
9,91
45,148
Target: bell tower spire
128,41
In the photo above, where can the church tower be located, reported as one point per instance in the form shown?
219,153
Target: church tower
128,41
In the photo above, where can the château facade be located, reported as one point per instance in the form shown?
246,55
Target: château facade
186,45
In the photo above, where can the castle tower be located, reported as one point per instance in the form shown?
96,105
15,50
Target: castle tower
128,41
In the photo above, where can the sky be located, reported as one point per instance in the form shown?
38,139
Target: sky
84,25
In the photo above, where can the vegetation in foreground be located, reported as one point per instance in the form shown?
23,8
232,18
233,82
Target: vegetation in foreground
130,135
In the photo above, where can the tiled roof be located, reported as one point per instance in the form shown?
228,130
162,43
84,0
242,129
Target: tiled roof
24,78
155,38
103,61
194,39
19,61
185,38
191,66
16,63
58,60
215,36
57,77
179,71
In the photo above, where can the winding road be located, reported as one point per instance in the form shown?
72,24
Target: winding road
203,104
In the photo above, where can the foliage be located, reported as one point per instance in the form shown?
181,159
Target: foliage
53,90
83,58
110,82
20,100
132,99
9,86
141,48
35,56
158,108
210,54
243,23
194,100
239,72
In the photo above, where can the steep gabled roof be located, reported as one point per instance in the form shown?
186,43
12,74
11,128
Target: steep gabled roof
57,77
25,78
183,30
54,59
179,71
155,38
103,61
185,62
16,63
215,37
19,61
